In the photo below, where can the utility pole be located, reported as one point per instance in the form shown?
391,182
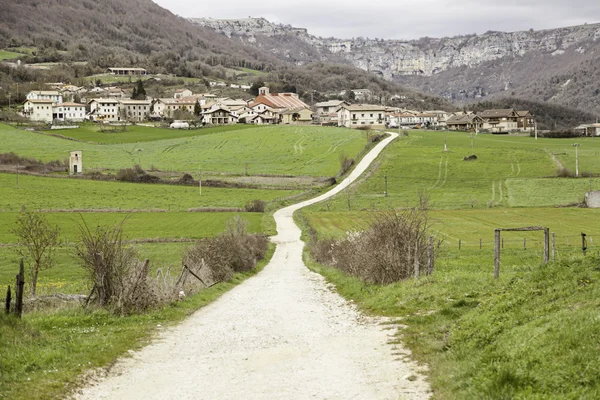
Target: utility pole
576,145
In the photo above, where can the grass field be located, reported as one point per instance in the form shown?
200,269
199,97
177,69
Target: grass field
110,78
7,55
501,176
298,151
90,132
43,193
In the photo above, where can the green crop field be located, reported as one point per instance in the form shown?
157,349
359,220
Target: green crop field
43,193
289,150
89,132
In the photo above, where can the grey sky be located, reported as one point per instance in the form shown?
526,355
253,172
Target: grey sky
401,19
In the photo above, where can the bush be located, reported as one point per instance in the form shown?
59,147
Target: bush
136,175
384,253
119,280
345,163
564,134
233,251
563,172
255,206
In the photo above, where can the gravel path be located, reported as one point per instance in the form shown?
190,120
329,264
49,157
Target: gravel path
282,334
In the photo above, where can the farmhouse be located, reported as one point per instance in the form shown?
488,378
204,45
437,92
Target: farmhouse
127,71
135,110
104,110
218,115
168,107
464,122
51,95
361,115
525,121
39,110
68,112
296,116
588,129
500,120
180,93
326,112
279,100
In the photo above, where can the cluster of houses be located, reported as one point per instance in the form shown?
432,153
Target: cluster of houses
113,105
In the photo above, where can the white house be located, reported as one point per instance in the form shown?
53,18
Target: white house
361,115
180,93
52,95
69,112
105,110
167,107
39,110
219,115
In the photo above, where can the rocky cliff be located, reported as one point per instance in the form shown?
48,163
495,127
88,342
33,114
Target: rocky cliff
461,69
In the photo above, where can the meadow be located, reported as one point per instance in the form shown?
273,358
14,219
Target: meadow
8,55
280,150
90,132
58,194
513,171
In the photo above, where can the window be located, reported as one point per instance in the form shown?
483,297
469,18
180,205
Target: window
371,115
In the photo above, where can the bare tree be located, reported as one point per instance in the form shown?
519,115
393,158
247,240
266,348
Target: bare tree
38,240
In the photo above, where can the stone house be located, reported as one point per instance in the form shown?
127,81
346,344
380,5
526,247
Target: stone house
135,110
296,116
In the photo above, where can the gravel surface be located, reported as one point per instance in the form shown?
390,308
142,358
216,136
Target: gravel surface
282,334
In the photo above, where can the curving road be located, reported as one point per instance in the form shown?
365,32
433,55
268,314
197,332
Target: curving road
282,334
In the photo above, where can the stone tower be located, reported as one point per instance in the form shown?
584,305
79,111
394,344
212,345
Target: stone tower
75,163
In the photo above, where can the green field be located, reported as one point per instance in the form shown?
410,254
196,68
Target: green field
501,176
8,55
40,193
89,132
289,150
110,78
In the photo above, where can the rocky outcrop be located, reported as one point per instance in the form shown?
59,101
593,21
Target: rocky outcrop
426,56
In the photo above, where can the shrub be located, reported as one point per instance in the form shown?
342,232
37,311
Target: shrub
136,174
119,280
345,163
384,253
563,172
233,251
255,206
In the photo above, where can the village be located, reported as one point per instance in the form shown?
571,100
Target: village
64,104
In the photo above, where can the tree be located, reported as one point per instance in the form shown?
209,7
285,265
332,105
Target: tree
38,240
197,109
139,93
255,86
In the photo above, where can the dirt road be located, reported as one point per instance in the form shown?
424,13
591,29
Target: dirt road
283,334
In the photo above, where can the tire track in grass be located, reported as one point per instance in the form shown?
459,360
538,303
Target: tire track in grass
439,183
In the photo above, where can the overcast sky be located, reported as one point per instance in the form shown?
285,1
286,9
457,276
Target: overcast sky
399,19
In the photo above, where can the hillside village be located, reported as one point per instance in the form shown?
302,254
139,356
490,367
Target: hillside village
59,105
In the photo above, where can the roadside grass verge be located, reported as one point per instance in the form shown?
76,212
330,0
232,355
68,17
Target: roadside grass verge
534,333
273,150
44,355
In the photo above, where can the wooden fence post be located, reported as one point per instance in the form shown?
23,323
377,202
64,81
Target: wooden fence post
416,266
480,244
496,253
430,258
583,243
19,290
546,245
502,242
553,247
459,243
8,295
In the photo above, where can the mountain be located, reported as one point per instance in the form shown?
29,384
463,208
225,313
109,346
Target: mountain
462,69
140,33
